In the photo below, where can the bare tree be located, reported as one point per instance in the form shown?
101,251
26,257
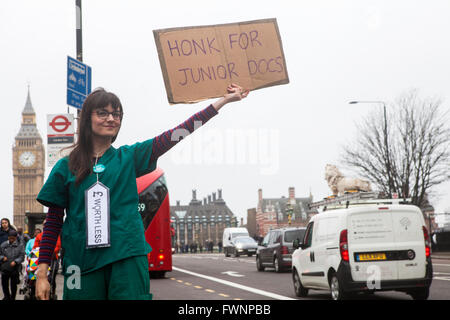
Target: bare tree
406,151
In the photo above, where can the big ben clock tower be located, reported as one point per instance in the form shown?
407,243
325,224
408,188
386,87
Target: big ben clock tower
28,166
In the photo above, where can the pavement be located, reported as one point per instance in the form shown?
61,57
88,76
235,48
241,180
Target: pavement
59,285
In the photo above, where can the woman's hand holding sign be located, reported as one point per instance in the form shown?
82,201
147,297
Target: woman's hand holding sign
234,93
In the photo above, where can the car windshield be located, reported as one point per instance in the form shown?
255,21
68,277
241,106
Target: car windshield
239,235
245,240
291,235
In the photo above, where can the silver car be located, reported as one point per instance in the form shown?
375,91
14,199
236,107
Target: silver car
244,245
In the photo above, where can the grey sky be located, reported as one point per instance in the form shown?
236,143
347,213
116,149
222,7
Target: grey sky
336,51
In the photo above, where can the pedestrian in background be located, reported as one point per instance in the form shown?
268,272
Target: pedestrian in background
11,256
95,169
30,243
4,231
22,237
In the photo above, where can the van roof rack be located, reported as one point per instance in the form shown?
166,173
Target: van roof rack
356,198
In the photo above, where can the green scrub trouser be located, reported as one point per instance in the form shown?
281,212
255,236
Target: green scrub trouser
127,279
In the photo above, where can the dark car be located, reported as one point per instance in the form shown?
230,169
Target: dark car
276,249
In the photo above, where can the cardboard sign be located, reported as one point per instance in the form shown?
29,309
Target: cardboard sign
198,63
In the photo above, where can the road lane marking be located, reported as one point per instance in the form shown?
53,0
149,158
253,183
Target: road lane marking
441,265
441,278
207,290
233,274
440,258
235,285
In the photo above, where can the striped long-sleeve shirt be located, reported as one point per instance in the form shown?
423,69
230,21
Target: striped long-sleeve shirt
161,144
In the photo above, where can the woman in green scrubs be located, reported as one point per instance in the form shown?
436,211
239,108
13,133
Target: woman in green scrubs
105,252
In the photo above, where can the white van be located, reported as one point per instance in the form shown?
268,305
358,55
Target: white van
367,248
228,235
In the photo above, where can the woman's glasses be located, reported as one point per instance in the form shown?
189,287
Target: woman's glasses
103,114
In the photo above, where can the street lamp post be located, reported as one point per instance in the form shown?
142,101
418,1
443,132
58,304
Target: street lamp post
386,145
79,33
289,211
79,42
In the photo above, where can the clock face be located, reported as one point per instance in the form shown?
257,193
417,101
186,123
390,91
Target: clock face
27,159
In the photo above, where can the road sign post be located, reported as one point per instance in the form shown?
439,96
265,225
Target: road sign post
79,77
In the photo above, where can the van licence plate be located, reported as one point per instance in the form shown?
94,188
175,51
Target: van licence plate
370,256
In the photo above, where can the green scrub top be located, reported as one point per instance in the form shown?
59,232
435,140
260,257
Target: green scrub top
122,167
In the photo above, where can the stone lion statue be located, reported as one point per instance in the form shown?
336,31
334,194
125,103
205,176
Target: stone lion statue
339,184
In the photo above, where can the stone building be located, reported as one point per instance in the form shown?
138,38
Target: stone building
281,212
201,221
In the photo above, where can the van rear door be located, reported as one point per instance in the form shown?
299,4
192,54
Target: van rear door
370,239
408,222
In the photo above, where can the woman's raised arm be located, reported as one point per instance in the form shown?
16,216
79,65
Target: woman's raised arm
165,141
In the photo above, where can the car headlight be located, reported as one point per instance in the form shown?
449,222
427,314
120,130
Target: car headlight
239,246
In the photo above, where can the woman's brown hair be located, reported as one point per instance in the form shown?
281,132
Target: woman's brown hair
80,158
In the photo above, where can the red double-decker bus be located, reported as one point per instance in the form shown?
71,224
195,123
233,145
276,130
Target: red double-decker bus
154,208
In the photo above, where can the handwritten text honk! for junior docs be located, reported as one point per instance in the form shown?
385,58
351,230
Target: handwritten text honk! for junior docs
210,46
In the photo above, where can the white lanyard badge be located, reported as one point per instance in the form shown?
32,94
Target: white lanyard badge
97,213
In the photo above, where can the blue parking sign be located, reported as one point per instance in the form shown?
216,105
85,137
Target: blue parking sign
78,82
